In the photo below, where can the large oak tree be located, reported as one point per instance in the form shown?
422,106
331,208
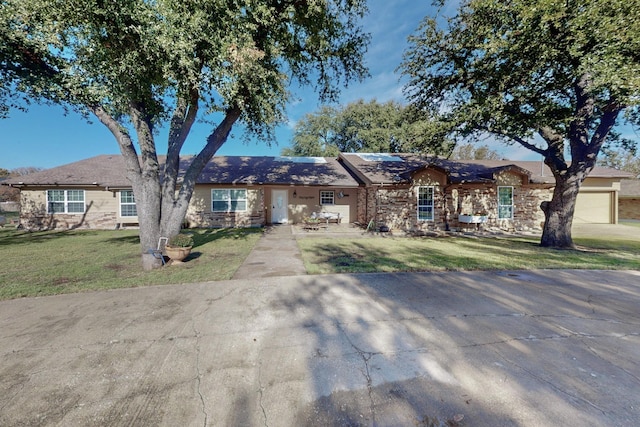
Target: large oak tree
367,127
137,65
554,76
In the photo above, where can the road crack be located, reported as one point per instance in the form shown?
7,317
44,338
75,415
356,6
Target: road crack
366,357
199,374
261,395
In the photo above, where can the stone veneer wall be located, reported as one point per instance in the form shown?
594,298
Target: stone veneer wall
397,207
366,203
224,220
629,208
98,220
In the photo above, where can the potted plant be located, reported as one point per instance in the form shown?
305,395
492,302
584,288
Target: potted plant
179,247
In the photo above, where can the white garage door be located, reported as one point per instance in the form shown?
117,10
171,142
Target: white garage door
593,208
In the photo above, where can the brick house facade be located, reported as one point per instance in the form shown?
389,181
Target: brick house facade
408,192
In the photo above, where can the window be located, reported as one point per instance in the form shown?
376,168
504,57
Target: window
227,200
505,202
65,201
327,198
127,203
425,203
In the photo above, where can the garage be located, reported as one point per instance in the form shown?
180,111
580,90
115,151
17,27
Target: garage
594,207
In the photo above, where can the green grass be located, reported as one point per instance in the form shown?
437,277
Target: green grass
631,223
49,263
322,256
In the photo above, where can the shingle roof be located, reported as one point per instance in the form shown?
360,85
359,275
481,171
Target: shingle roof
110,171
380,171
105,170
322,171
630,188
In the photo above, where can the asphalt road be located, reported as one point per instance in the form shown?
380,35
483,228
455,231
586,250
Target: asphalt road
541,348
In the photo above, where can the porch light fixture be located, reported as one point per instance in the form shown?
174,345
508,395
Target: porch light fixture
295,194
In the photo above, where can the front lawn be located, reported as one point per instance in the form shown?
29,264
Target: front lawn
343,255
49,263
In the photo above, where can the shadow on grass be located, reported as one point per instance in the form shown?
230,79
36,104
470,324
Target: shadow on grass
208,235
201,236
18,237
464,254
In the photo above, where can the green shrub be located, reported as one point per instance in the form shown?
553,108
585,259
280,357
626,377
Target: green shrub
181,240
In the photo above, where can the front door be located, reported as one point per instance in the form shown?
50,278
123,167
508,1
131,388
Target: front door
279,206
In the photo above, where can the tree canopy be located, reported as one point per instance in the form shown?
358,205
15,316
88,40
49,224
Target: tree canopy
554,76
366,127
469,151
137,65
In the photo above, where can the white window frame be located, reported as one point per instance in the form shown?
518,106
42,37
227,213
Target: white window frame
231,203
327,197
427,205
501,206
66,201
128,203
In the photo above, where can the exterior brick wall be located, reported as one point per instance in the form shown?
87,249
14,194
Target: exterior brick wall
98,220
397,207
224,220
629,208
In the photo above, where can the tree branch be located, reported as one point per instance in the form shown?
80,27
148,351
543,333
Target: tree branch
144,129
125,143
214,142
515,138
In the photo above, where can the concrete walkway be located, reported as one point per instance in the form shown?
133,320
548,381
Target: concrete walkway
275,254
519,348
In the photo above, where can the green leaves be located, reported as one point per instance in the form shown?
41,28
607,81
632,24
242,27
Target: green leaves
367,127
512,68
240,53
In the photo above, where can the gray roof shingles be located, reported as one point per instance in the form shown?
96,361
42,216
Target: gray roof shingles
109,171
388,172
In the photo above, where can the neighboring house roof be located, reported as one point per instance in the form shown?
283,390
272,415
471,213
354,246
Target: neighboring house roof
630,188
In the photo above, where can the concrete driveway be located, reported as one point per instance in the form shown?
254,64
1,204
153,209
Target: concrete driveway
542,348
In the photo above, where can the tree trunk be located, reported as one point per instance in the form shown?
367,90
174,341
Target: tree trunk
559,213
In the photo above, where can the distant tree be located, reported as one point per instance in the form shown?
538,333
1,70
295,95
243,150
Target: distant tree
10,193
469,151
365,127
622,159
565,70
314,135
136,65
25,170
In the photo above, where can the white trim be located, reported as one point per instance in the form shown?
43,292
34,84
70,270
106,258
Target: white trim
512,205
229,200
121,204
432,205
66,202
333,197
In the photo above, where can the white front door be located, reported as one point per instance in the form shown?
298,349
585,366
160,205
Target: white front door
279,206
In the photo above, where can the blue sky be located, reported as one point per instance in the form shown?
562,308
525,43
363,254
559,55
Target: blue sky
44,137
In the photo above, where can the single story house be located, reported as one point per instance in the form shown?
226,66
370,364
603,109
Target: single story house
407,192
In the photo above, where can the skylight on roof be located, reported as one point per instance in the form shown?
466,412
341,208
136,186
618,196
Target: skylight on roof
379,157
309,160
